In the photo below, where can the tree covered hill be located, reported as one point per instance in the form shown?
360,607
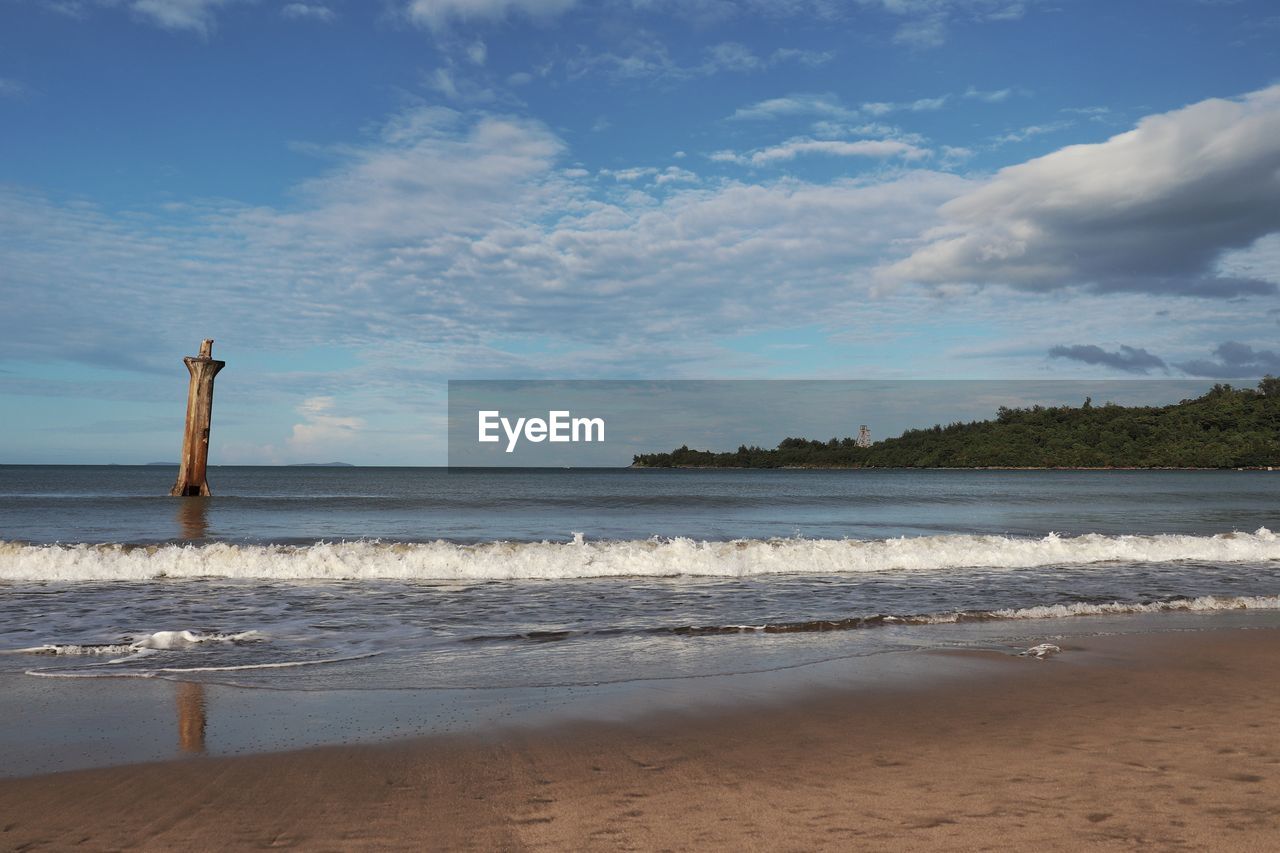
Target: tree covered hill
1226,428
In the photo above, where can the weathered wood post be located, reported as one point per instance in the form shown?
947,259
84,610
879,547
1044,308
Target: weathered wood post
195,440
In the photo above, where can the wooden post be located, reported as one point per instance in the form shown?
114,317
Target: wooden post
195,440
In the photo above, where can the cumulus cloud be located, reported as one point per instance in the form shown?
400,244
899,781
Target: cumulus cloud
321,430
675,175
1127,359
1152,210
319,435
1233,359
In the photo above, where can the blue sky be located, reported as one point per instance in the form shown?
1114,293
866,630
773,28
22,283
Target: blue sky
360,201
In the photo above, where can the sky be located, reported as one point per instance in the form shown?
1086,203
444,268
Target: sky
360,201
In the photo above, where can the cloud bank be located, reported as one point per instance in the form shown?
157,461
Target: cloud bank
1127,359
447,228
1152,210
1233,359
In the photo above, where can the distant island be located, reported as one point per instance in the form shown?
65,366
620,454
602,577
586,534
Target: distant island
1226,428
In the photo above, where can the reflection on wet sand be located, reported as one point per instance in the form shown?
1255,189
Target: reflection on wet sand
193,518
191,717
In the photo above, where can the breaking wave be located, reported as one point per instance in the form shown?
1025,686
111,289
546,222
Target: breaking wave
636,558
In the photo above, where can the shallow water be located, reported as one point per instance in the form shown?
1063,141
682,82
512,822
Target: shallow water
130,504
316,579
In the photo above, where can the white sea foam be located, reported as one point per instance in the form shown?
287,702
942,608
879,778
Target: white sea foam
158,641
1200,604
644,558
1042,651
103,671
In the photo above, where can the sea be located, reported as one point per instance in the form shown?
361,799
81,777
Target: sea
379,579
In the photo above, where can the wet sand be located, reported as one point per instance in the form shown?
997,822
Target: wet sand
1168,740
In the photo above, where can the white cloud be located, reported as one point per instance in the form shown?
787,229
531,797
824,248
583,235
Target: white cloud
1151,210
642,55
444,230
10,88
789,150
307,12
991,96
633,174
927,22
321,435
675,175
793,105
731,56
437,14
880,108
194,15
929,31
477,53
659,177
1031,131
323,432
811,58
461,87
828,106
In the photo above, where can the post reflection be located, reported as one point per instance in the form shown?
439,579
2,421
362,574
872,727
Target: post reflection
191,717
193,518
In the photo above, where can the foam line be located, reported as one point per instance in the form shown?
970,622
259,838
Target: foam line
637,558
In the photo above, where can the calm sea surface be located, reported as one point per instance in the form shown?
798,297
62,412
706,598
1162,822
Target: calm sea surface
321,578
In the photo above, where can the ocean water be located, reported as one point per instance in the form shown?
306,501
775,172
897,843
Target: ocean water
316,579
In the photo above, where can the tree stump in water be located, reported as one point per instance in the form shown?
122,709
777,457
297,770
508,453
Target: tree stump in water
192,480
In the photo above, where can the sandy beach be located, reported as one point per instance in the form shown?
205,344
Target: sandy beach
1165,740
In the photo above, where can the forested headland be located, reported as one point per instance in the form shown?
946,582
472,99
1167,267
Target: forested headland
1226,428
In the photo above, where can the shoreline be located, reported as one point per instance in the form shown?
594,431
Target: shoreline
1158,738
1265,468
